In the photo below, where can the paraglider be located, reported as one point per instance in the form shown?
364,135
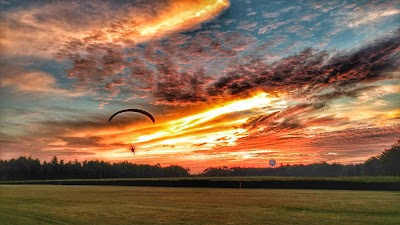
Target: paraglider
138,111
134,110
133,149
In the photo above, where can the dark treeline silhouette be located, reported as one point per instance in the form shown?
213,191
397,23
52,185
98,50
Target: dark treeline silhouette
311,170
32,169
386,164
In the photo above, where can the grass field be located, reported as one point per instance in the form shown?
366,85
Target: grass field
53,204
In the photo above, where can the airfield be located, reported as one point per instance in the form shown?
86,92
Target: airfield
29,202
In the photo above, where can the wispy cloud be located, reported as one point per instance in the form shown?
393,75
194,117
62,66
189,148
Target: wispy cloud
361,17
33,82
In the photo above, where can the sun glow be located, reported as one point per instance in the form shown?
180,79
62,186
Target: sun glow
258,101
194,131
219,126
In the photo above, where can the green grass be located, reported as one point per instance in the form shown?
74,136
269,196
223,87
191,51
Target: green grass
53,204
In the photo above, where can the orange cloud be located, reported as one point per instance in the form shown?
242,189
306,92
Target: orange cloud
37,82
40,31
177,16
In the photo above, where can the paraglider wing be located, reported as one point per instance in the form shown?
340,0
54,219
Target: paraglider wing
134,110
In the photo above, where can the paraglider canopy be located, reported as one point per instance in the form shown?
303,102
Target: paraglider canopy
134,110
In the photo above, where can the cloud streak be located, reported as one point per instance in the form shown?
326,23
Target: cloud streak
39,82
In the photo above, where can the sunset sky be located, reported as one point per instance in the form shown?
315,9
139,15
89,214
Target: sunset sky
231,83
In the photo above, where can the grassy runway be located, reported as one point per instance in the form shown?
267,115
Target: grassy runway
52,204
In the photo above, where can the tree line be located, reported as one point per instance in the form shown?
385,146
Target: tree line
386,164
32,169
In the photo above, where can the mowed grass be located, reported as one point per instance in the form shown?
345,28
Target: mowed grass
53,204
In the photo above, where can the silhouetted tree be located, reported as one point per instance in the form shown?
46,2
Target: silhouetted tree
390,160
27,168
372,167
218,171
175,171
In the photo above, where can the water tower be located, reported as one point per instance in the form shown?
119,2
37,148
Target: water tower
272,163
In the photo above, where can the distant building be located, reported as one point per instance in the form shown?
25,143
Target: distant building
272,162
